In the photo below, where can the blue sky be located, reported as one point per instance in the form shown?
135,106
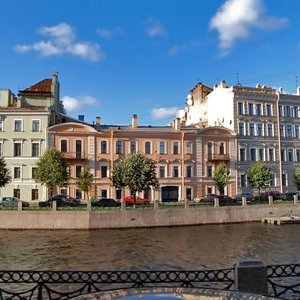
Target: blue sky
116,58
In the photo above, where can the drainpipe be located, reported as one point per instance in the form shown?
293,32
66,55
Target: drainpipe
279,142
111,158
182,166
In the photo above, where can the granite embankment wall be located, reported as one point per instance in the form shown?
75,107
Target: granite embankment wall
86,219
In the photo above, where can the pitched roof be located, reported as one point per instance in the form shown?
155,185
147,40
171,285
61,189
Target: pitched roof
43,87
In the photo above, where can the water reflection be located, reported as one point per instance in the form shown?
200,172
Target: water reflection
193,247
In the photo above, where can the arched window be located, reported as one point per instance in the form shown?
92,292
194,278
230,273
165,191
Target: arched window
63,146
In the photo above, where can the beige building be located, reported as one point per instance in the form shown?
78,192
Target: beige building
24,120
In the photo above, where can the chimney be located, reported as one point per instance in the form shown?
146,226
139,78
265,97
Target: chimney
134,121
81,118
177,124
298,91
98,120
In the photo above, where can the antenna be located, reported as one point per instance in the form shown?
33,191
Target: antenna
238,79
296,81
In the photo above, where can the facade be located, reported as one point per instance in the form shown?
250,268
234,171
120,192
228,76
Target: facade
24,120
267,125
183,159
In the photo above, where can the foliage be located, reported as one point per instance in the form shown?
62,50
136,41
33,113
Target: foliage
136,172
221,177
85,180
4,173
52,170
259,176
297,178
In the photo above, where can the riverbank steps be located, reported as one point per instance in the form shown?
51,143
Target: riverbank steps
135,218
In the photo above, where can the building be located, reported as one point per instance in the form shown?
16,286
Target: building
24,120
266,121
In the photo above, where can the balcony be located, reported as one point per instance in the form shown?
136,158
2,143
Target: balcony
218,157
74,155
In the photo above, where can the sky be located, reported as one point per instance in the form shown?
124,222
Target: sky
116,58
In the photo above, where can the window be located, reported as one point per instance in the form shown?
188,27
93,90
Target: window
288,111
1,125
241,128
251,129
35,125
17,149
189,171
78,148
297,131
281,130
162,171
240,108
35,149
272,181
132,146
17,193
188,147
281,114
209,150
119,147
289,130
188,193
270,129
209,171
258,110
78,171
175,171
175,147
242,154
283,158
34,194
147,147
1,149
250,109
103,146
253,154
17,172
298,155
103,193
103,171
33,171
290,155
63,146
18,125
162,149
296,111
284,179
243,180
269,110
271,154
222,148
259,129
78,194
63,191
261,154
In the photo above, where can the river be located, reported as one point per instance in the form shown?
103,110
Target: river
191,247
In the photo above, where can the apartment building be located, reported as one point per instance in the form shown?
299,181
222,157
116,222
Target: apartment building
266,122
184,163
24,120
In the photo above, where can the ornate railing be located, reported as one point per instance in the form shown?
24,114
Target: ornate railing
283,282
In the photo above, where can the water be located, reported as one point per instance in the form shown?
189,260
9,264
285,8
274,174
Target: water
193,247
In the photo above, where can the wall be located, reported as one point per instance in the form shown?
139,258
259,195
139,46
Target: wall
140,218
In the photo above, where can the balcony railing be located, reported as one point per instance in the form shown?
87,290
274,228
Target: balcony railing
214,156
74,155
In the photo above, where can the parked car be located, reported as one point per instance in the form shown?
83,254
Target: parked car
247,195
265,196
12,202
289,196
223,199
129,200
61,200
106,202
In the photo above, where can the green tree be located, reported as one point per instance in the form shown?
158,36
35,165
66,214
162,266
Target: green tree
52,170
221,177
297,178
136,172
85,180
259,176
4,173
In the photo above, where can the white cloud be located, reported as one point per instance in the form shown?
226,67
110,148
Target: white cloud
62,41
163,112
154,28
109,33
75,104
235,19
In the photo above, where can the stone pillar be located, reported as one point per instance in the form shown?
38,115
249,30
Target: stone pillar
54,205
123,205
216,202
251,276
19,207
244,201
89,205
296,199
186,203
270,200
156,204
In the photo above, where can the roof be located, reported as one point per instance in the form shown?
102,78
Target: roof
42,87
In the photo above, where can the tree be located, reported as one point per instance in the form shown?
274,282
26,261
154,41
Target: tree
4,173
85,180
136,172
52,170
259,176
221,177
297,178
